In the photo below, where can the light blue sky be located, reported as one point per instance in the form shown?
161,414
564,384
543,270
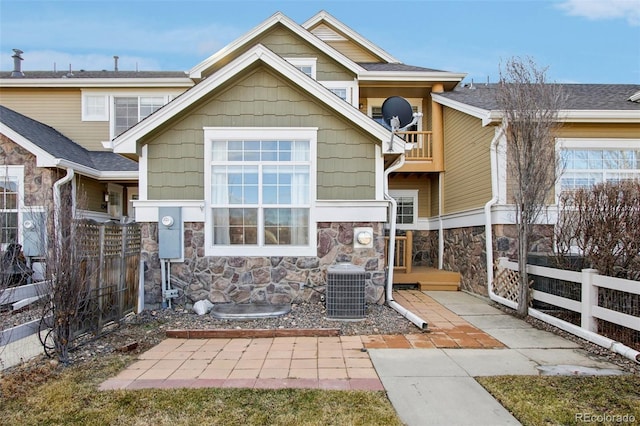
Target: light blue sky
581,41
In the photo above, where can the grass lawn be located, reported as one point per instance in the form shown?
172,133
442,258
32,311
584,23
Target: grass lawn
53,396
562,400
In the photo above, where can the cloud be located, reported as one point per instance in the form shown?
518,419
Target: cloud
608,9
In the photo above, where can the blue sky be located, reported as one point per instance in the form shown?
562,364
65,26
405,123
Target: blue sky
580,41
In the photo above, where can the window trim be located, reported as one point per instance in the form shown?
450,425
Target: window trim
407,193
109,98
350,86
86,116
257,133
17,173
305,62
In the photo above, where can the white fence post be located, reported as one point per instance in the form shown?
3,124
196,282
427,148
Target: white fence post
589,299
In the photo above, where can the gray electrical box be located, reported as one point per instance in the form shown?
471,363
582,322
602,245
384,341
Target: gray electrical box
33,234
170,232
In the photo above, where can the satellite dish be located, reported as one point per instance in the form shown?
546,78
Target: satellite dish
397,112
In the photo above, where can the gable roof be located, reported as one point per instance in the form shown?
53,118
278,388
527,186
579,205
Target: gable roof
325,17
53,149
584,103
127,141
277,18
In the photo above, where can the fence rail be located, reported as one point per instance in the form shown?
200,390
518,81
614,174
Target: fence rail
605,305
403,255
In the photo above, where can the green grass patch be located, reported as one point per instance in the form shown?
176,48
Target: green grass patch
568,400
54,396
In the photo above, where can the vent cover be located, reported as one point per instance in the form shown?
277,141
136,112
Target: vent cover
345,292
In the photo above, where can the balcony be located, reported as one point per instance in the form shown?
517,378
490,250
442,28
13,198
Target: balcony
422,145
422,157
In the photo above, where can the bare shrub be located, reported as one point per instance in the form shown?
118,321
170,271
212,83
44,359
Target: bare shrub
603,224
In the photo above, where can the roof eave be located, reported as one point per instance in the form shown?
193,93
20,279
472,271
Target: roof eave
599,116
426,76
97,82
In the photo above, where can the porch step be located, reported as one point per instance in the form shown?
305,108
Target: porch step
439,286
429,279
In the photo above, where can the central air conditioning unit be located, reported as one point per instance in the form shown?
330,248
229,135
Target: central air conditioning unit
346,292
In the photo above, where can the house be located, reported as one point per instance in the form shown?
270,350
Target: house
270,161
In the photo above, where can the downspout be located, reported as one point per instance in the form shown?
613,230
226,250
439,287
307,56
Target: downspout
56,205
419,322
488,231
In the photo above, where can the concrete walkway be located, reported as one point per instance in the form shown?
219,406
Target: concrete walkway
436,386
427,376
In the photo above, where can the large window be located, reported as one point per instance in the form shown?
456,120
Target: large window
261,188
587,166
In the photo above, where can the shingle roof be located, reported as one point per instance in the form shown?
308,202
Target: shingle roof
611,97
59,146
97,74
375,66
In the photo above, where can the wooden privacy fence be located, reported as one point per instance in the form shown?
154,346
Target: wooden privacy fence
600,304
111,257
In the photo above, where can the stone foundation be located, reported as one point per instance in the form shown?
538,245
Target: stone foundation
465,251
267,279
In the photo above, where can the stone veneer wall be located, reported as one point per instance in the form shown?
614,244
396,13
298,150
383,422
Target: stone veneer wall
267,279
465,251
425,248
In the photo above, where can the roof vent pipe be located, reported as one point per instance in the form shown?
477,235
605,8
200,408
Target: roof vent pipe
17,66
115,62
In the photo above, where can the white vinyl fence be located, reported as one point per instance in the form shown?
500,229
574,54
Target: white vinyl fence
586,300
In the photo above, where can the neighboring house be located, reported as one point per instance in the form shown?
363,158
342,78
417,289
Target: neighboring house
274,157
599,139
36,156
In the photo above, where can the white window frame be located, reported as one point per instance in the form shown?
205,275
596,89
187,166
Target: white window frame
109,99
407,193
304,62
15,173
88,115
260,133
351,88
595,144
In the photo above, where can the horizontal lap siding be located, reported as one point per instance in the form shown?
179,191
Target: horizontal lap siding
60,109
345,167
467,177
589,131
422,184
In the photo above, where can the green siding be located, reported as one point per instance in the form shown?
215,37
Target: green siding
345,155
289,45
467,177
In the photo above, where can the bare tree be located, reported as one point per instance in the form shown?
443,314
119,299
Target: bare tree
530,108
